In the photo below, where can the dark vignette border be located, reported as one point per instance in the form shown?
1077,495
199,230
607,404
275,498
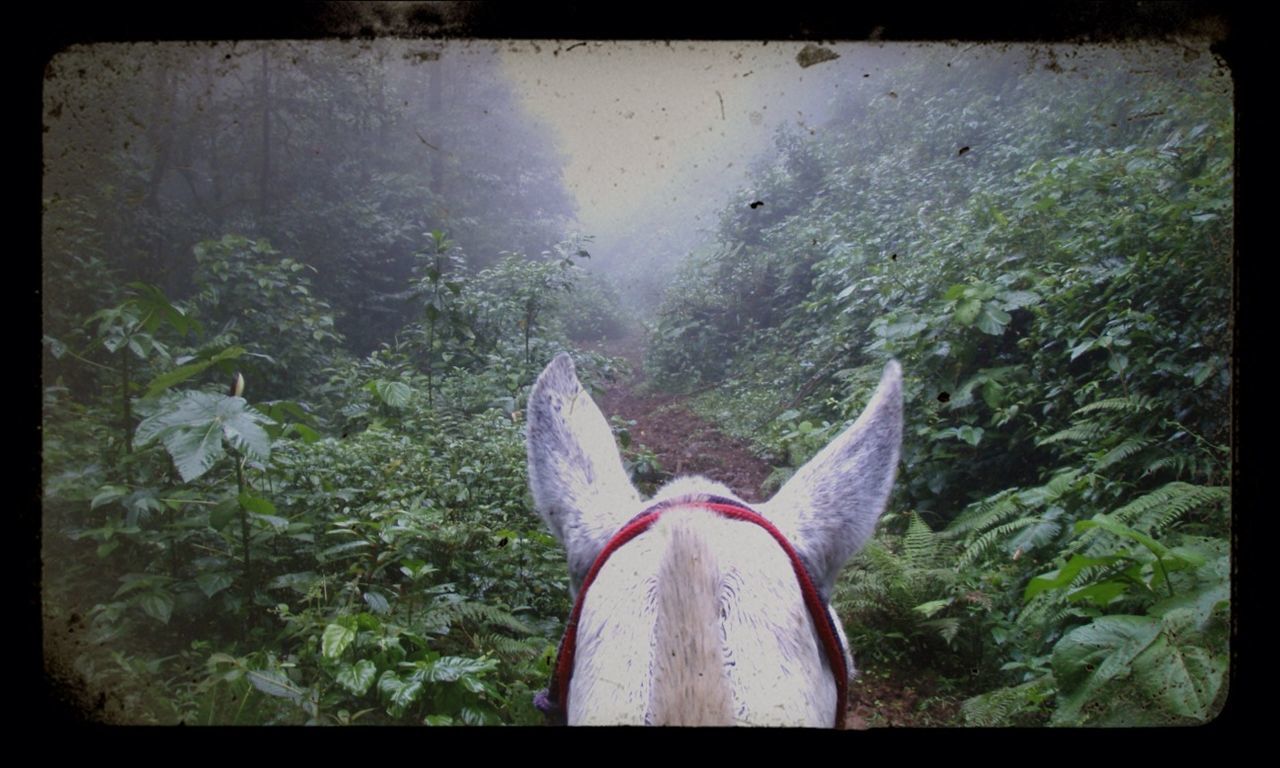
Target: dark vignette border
54,27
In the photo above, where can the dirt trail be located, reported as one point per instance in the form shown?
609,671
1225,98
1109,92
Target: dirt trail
686,444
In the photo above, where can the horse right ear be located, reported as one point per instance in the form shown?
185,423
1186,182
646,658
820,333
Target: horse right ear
829,507
580,487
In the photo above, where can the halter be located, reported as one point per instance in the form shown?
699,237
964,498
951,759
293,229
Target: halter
554,700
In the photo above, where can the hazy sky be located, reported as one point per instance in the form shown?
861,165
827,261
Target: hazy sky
657,130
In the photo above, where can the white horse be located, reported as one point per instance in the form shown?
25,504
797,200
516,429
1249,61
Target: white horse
697,609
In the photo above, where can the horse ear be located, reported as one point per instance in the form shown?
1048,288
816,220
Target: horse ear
579,485
829,507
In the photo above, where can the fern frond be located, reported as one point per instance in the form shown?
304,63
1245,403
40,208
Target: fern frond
933,580
1176,463
1052,491
511,648
1012,705
1089,430
920,545
1157,510
1045,530
946,627
979,546
867,594
482,614
983,514
1152,513
1132,404
1122,451
878,558
1047,609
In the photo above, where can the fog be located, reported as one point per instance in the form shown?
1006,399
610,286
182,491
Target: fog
344,154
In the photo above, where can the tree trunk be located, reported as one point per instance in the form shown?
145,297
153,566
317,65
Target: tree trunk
126,408
436,105
160,133
264,180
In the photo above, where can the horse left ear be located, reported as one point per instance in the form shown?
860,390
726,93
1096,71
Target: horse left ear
829,507
580,487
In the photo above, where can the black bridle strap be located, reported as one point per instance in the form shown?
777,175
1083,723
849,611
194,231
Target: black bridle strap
554,702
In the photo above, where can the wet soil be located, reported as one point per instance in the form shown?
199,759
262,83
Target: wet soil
684,442
882,700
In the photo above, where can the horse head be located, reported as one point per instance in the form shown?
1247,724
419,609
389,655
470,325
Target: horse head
693,608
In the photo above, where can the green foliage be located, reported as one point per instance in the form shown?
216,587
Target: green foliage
267,306
394,574
519,293
399,578
592,312
1021,704
1058,295
901,599
347,539
363,551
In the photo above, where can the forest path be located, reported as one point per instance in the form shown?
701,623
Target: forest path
686,444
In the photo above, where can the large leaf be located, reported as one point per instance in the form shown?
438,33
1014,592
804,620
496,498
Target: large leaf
274,683
967,311
194,451
307,434
992,319
1016,299
394,393
451,668
193,424
377,603
970,434
257,504
212,583
336,639
277,524
108,494
175,411
158,605
157,308
1065,575
401,693
132,582
223,514
357,677
1103,593
300,582
1106,523
1182,679
1086,659
1206,600
240,426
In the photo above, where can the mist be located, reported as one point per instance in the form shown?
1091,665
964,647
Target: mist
642,148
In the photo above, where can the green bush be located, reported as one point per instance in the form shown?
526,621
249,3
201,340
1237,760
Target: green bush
1049,260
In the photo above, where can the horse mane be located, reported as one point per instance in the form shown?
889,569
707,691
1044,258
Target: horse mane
690,685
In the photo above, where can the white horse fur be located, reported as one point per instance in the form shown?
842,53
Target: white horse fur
700,620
